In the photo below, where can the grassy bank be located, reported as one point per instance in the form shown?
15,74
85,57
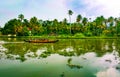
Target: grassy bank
63,37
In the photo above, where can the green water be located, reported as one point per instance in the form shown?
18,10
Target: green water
66,58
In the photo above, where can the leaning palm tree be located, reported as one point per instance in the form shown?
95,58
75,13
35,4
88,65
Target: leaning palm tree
70,13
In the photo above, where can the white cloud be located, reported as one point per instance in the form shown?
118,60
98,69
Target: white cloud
103,7
41,9
51,9
94,8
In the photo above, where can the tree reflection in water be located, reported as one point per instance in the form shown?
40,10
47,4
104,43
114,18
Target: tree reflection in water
79,53
76,48
73,65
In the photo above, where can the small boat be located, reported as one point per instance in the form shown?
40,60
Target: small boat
41,41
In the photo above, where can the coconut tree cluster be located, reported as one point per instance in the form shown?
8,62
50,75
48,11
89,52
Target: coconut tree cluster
101,26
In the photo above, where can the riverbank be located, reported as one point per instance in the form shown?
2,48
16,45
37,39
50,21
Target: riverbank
63,37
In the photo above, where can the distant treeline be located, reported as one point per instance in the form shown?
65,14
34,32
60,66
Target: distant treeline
84,26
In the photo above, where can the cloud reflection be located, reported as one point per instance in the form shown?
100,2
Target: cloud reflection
111,72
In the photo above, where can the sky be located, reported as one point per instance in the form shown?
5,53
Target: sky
57,9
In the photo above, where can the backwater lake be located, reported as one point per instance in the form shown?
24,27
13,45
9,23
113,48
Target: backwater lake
65,58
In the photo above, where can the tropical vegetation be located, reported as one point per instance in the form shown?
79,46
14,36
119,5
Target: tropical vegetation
83,26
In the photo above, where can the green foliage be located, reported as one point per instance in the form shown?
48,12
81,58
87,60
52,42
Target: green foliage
88,33
25,31
10,26
79,35
79,18
81,28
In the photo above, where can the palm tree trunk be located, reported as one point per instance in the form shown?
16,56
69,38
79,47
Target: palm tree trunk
70,23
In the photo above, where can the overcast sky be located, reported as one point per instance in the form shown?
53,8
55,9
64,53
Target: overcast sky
51,9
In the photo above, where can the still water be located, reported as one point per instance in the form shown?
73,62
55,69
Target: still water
66,58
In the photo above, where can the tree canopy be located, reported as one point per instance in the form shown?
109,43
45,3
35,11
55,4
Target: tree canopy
101,26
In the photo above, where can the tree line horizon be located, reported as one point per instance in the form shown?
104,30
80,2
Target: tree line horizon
83,26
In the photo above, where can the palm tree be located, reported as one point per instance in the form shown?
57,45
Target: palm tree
34,24
116,23
70,12
79,17
64,21
26,23
84,21
21,17
55,25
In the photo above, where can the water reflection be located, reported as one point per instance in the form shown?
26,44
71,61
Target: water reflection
111,72
97,56
64,48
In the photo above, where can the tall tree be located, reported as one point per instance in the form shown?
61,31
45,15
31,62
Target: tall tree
26,23
11,27
34,25
33,22
70,12
84,21
79,18
21,17
64,21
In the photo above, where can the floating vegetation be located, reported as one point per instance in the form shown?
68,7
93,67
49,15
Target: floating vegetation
73,65
69,60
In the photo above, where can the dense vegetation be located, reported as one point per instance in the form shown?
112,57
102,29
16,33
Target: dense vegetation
82,27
